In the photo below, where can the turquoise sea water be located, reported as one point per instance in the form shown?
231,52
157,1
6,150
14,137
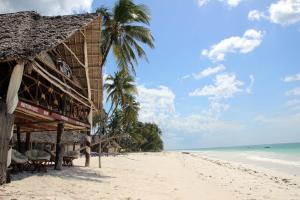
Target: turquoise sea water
282,157
288,148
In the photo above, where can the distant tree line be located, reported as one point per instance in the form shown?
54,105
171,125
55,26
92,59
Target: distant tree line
121,121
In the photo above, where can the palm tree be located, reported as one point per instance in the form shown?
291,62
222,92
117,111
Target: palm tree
131,109
121,92
123,29
120,89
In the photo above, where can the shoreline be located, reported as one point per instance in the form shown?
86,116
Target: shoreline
281,163
165,175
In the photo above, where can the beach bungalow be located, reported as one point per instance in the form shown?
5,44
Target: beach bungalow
50,78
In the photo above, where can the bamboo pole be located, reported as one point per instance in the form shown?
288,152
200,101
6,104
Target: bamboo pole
86,62
74,55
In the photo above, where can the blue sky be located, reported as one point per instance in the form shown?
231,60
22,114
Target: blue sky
223,72
262,114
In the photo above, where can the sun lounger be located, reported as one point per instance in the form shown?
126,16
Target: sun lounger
52,157
18,160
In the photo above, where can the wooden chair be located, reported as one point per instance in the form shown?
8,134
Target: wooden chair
69,156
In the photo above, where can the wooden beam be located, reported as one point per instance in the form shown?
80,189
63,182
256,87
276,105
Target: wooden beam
49,77
36,122
50,115
74,55
62,74
82,33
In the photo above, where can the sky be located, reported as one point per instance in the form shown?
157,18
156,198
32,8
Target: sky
223,72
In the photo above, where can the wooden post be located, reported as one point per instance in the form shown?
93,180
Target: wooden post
6,125
19,138
27,142
88,149
59,147
100,151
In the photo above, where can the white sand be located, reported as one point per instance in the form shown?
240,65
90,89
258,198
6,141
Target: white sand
155,176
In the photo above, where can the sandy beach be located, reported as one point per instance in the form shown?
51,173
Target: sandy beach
168,175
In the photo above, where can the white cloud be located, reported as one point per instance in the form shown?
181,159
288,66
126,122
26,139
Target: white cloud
199,124
216,107
233,3
202,2
209,71
206,72
245,44
230,3
285,12
225,86
185,77
282,122
293,104
158,105
293,92
47,7
295,77
249,88
255,15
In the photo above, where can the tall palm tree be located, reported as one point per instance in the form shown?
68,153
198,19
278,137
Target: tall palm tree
124,29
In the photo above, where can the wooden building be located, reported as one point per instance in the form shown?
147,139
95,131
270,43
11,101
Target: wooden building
50,78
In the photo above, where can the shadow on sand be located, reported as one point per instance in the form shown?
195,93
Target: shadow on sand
76,172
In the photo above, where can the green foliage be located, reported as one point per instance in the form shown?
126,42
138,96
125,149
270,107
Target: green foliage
120,89
144,137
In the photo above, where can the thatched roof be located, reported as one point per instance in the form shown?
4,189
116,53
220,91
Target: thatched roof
25,35
50,137
114,144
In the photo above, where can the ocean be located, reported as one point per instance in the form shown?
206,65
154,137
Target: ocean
280,157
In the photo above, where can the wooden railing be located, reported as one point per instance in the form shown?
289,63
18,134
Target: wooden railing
38,91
